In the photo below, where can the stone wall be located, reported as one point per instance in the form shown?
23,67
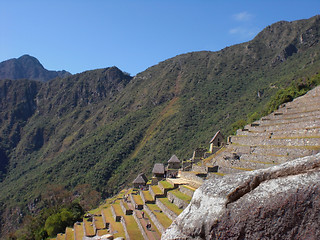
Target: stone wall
139,225
186,191
177,201
123,222
166,210
280,202
154,219
191,176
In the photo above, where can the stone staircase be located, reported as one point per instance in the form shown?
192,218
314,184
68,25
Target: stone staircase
290,132
126,215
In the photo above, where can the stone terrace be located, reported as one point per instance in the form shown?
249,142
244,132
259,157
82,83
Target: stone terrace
290,132
127,214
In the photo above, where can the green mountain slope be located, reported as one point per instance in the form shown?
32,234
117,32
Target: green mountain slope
101,127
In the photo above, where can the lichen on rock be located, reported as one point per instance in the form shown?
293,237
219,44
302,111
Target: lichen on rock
281,202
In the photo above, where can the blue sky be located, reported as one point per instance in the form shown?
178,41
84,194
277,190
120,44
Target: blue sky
133,34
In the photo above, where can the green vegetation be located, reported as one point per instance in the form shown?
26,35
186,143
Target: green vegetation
166,185
137,199
163,219
156,190
171,206
103,127
132,227
295,89
181,195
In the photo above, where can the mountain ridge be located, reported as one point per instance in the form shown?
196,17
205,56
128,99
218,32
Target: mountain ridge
28,67
102,126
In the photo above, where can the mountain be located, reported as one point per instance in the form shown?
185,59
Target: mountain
27,67
101,127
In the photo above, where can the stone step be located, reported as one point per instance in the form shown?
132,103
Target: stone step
131,227
78,231
246,164
232,170
170,209
290,151
165,186
267,159
102,232
136,201
159,218
178,198
61,236
69,235
115,228
276,141
98,222
125,208
146,197
116,211
307,132
156,192
295,117
88,228
188,190
285,126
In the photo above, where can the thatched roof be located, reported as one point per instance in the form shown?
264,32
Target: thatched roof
141,179
216,135
158,168
174,159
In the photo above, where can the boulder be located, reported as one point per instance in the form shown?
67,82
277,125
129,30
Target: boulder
281,202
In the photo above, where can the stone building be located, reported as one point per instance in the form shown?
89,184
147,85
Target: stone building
173,167
158,173
216,142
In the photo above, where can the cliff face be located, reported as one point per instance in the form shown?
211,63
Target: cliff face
281,202
28,67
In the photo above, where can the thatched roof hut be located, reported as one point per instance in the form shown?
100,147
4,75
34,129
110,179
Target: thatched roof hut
158,169
140,180
174,159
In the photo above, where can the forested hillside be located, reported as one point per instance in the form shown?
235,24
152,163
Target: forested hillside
103,126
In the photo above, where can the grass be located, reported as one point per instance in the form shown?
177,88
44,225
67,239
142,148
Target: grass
219,174
132,227
147,196
117,209
156,190
116,227
162,218
243,169
298,137
79,231
69,234
189,187
60,236
181,195
102,232
170,205
99,222
253,161
146,216
137,199
89,228
166,185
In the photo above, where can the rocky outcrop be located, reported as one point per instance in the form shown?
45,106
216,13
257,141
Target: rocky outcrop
281,202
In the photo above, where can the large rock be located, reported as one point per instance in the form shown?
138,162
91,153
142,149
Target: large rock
281,202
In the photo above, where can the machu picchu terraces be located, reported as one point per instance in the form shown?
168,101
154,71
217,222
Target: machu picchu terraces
291,132
127,214
286,134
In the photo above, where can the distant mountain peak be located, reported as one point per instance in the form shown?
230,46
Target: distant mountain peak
28,67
